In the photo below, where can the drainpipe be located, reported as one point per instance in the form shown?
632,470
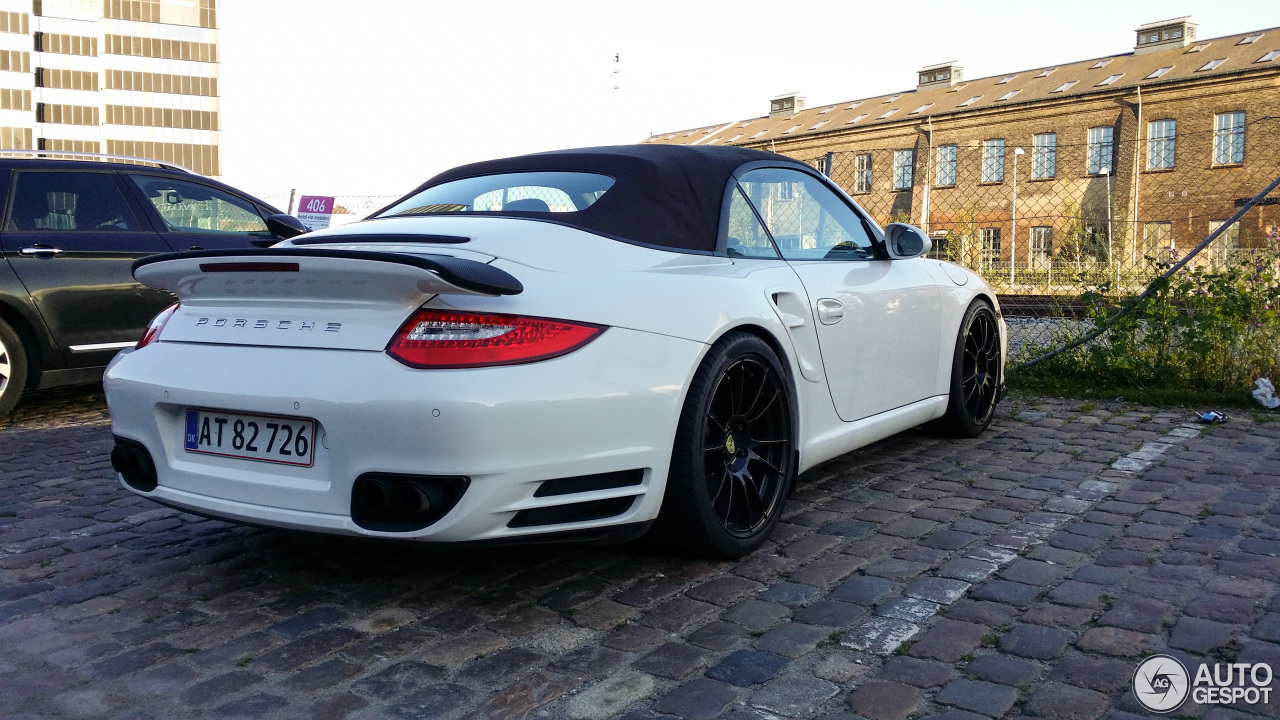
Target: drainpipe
1137,184
928,180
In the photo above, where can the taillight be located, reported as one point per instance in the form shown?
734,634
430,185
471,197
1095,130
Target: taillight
448,339
157,324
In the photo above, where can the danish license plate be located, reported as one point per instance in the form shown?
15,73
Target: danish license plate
266,438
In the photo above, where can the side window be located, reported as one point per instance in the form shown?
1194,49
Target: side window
746,237
192,207
807,220
61,201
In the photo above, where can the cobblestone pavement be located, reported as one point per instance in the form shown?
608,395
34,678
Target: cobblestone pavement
1020,574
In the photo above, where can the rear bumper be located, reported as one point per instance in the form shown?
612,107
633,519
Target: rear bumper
610,406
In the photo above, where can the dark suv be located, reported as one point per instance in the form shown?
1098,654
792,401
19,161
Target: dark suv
69,232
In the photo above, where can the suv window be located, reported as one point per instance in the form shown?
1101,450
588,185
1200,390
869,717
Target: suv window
61,201
192,207
807,220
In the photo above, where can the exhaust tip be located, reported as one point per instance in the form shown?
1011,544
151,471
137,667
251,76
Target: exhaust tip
376,495
413,498
133,462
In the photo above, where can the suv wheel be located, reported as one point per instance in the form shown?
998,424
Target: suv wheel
13,368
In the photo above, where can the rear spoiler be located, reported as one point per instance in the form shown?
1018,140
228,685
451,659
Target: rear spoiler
444,274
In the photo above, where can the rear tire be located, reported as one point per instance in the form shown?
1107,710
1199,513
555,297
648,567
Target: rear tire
13,368
733,460
975,375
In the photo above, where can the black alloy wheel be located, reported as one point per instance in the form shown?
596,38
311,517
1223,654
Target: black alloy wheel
975,375
746,435
981,372
733,461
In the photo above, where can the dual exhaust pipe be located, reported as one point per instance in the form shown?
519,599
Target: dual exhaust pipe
132,460
402,503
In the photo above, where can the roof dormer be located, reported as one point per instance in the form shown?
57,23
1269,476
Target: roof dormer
944,74
786,104
1165,34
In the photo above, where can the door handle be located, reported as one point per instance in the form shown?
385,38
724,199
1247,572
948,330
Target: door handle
830,311
40,250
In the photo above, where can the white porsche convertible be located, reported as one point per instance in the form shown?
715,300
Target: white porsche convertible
589,344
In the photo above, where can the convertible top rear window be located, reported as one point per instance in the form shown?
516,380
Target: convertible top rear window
666,196
522,192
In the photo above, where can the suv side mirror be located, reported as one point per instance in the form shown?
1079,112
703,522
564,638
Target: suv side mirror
903,241
285,226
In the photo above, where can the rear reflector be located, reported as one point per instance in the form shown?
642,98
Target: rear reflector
447,339
249,267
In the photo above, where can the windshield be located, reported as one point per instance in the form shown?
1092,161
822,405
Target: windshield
526,192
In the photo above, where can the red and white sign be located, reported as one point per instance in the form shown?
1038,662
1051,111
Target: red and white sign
314,211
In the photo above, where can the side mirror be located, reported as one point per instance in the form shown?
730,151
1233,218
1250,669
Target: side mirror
285,226
903,241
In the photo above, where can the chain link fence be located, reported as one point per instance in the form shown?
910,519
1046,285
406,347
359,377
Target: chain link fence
1044,221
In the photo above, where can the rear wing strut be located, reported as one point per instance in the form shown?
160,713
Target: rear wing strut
451,274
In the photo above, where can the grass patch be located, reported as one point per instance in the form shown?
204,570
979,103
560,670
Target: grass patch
1031,382
1200,338
832,639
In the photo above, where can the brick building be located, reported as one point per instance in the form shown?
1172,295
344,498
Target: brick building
126,77
1111,160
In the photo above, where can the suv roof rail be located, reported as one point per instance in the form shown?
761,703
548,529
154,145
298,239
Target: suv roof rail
55,154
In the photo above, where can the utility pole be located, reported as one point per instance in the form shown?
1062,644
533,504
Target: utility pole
293,194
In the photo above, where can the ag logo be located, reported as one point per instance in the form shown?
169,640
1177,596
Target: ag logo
1161,683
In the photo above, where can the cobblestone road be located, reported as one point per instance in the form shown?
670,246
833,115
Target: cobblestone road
1020,574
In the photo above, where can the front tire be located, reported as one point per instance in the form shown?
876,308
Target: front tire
13,368
733,461
975,375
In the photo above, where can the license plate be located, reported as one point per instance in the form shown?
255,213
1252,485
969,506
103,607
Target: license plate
266,438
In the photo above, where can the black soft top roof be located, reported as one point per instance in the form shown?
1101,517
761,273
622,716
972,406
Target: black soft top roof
664,195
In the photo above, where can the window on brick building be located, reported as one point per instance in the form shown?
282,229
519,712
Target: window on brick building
993,160
1161,136
1224,246
1044,155
1211,65
1228,138
946,165
1269,56
903,169
1157,239
1041,248
1099,149
862,173
990,246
